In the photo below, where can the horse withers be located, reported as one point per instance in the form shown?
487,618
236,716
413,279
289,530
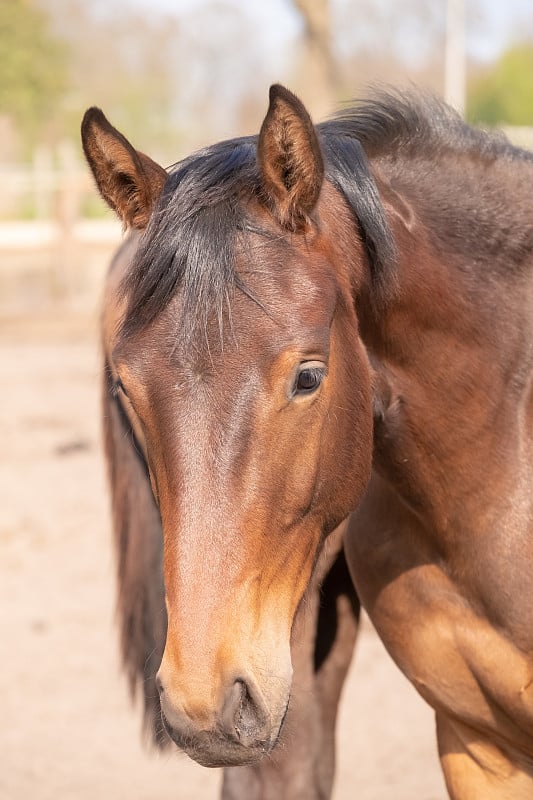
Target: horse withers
293,310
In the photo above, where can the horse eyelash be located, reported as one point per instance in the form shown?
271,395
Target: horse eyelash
117,387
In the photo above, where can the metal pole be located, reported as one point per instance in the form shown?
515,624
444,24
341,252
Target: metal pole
455,66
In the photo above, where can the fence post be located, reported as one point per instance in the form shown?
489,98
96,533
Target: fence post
42,169
68,203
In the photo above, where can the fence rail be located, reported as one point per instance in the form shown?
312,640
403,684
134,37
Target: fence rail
56,237
18,236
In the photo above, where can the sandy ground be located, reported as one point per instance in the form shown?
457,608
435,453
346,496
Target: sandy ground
67,729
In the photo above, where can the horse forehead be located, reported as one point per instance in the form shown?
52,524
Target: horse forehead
294,284
287,302
259,344
219,369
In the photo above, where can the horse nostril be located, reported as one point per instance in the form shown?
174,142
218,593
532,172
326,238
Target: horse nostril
244,717
159,684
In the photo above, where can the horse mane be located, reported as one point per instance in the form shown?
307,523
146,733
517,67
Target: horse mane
451,174
418,123
138,540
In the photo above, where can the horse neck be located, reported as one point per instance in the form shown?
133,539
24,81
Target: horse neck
453,354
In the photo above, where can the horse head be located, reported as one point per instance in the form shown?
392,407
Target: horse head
231,336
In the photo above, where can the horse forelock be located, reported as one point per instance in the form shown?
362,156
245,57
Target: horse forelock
191,238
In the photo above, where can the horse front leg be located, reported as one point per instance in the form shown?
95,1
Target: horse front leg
303,763
475,768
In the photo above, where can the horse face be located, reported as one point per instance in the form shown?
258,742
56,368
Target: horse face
258,443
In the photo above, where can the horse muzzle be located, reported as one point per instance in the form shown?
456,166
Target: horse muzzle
240,731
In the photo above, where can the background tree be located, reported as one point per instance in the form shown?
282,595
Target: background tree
504,94
33,63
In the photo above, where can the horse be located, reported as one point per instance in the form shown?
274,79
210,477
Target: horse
324,333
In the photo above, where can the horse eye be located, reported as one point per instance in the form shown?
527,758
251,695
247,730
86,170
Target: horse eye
309,379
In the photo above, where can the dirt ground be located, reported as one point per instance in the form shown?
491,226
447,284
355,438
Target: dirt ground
67,728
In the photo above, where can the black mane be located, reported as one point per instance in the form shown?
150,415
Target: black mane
191,239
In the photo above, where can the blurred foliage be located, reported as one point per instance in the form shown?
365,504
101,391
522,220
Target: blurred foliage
122,61
504,95
33,65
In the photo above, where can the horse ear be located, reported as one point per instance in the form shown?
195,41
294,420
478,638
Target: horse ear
290,159
129,181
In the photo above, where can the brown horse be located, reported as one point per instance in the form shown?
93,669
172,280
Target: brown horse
295,308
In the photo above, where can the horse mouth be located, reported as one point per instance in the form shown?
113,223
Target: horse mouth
214,749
